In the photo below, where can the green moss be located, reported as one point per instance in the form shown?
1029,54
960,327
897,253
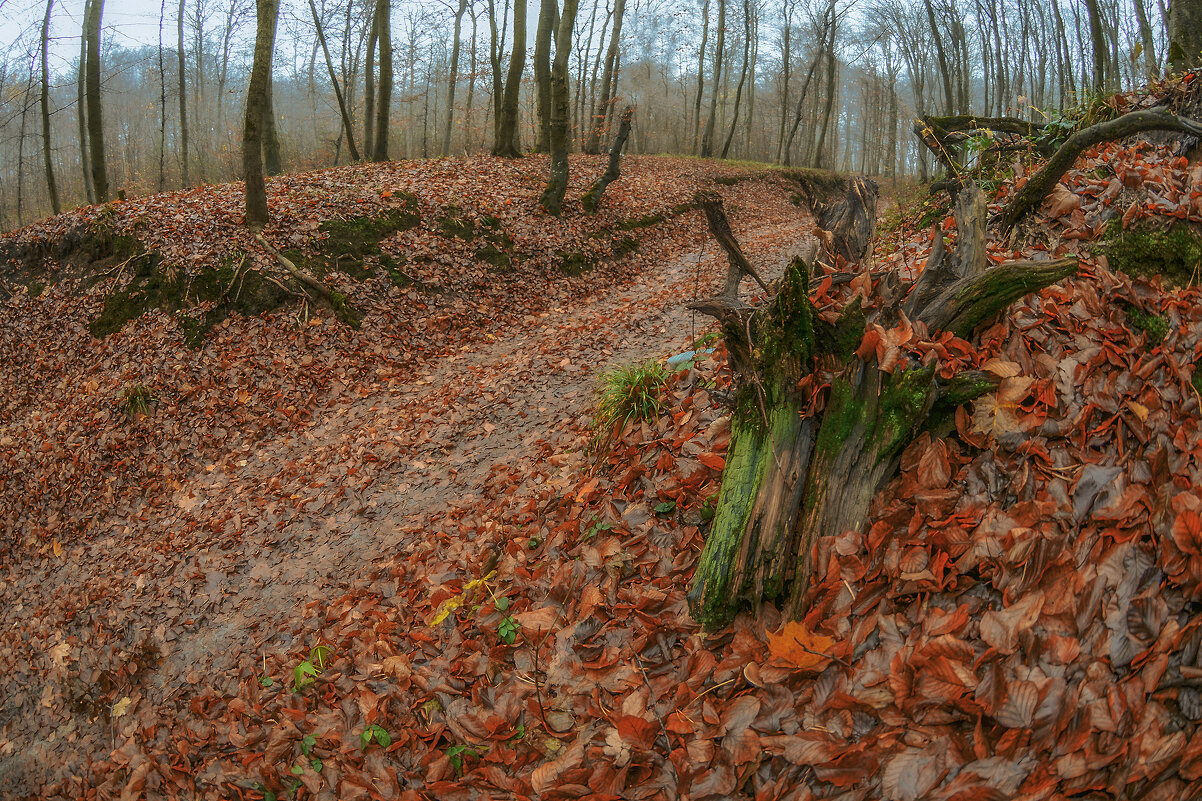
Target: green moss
344,311
904,400
453,225
574,263
997,289
1196,379
787,341
627,244
642,222
1154,326
499,259
36,288
350,242
731,180
844,412
1175,254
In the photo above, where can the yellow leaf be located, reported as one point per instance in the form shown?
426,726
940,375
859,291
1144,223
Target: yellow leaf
121,707
58,549
800,647
446,608
1140,410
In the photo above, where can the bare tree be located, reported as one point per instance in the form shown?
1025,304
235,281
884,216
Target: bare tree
256,105
454,77
100,180
507,140
51,186
384,102
557,181
183,102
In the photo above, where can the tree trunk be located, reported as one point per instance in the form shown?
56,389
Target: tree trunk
162,103
557,181
347,128
508,137
51,186
82,106
272,161
734,119
454,78
548,14
592,198
384,102
100,179
1147,40
707,141
705,30
1185,35
369,86
183,103
593,145
1098,46
256,104
791,479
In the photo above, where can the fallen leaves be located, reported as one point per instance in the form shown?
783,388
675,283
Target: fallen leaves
795,645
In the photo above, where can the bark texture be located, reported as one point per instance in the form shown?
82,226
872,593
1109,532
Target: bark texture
557,181
100,178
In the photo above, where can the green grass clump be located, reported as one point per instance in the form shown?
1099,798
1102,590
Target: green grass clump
626,394
137,400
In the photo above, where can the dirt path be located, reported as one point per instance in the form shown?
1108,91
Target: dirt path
209,611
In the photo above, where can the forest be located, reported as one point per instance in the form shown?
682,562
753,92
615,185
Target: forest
831,84
770,400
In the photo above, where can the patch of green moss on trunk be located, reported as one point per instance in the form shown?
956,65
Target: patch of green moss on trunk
1175,254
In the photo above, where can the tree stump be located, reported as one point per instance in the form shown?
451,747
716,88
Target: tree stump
790,479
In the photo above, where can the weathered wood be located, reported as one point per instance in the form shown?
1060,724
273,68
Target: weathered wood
592,198
791,479
845,227
719,225
1042,183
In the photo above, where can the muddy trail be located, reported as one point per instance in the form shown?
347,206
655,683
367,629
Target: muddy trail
190,617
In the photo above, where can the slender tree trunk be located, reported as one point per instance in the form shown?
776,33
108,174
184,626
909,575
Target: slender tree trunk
100,179
384,103
561,109
707,141
183,101
945,73
162,103
508,136
454,78
592,198
51,186
832,66
705,30
342,109
1101,77
81,106
468,130
1147,40
548,18
786,57
734,121
593,145
256,111
369,86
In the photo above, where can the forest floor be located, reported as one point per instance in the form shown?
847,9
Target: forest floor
327,562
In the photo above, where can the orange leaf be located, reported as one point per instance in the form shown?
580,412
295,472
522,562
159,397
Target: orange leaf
712,461
799,647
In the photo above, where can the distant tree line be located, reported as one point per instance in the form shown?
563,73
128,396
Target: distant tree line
831,83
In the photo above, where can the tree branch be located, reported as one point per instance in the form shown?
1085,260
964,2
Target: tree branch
1038,187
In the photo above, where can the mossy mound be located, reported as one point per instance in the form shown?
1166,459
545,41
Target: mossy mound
1174,254
230,288
349,243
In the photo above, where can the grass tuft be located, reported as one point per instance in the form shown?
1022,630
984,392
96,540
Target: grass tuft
138,400
626,394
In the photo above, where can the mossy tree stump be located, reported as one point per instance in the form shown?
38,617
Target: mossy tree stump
790,479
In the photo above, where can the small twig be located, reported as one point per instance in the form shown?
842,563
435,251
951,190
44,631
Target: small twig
710,690
651,704
802,646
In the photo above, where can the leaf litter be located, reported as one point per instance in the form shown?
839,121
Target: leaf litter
1017,621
